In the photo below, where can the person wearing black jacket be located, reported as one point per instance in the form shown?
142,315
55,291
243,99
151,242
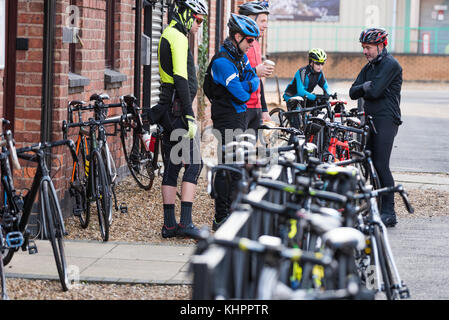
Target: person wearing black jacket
379,84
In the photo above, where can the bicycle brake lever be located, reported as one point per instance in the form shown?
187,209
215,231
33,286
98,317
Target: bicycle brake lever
404,196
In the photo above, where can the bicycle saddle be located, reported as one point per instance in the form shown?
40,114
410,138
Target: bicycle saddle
322,224
129,99
76,103
344,238
99,97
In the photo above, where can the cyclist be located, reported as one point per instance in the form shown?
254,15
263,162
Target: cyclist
379,84
230,86
257,106
174,111
306,79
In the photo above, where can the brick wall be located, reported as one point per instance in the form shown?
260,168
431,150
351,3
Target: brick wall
90,63
346,66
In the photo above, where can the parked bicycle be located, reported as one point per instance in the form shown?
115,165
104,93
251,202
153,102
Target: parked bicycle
17,209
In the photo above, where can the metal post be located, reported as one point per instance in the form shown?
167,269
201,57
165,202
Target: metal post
137,53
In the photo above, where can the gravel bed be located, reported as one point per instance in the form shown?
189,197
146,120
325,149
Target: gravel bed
22,289
145,217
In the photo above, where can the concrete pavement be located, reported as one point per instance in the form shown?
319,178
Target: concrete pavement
111,262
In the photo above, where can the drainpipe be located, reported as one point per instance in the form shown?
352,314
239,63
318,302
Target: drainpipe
218,24
393,25
47,75
137,47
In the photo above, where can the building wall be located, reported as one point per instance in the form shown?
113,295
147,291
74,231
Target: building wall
346,66
340,36
90,63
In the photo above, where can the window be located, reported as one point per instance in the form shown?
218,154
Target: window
110,25
2,33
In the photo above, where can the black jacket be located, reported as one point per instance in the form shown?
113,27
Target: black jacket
383,96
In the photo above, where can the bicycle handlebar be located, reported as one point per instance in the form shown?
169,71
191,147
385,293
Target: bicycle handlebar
375,193
245,244
21,152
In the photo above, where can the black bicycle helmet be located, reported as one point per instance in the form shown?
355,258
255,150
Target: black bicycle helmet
374,36
253,8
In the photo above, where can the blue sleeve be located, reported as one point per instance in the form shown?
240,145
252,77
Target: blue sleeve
301,91
252,81
226,74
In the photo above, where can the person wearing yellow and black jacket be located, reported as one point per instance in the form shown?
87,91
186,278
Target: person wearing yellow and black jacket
174,111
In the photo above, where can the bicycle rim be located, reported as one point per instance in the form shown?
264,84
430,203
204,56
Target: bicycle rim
110,174
81,173
102,195
140,162
55,231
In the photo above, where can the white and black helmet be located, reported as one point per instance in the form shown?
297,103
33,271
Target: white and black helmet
197,6
253,8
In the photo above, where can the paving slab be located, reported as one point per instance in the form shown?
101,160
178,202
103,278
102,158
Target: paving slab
107,262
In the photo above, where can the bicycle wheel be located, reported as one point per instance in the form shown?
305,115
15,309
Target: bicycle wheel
2,269
140,161
383,264
51,212
79,183
280,121
102,194
111,174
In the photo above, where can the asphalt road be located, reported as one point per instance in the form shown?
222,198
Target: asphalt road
422,143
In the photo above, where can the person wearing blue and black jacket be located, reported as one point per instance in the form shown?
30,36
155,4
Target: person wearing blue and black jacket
308,77
234,80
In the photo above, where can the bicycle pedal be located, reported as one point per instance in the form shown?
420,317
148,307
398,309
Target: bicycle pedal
123,208
14,239
32,248
404,293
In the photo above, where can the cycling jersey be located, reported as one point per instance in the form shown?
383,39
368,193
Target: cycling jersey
238,79
304,82
254,55
176,68
383,96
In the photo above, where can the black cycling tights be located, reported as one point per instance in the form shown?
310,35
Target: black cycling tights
381,146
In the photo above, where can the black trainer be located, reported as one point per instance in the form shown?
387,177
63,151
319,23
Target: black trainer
389,220
216,225
169,232
186,231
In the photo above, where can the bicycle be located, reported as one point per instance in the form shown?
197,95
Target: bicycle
90,179
18,208
380,254
8,239
141,155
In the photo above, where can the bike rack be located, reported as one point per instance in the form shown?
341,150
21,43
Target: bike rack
223,273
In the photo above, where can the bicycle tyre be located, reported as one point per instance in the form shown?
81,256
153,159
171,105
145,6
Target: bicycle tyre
383,264
81,175
280,122
111,173
51,212
102,194
139,161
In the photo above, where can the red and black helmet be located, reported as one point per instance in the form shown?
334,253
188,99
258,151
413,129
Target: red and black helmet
374,36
